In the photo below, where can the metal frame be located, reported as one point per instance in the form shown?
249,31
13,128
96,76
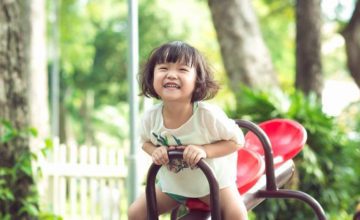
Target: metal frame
150,187
270,190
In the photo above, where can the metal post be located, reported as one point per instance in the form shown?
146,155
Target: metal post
133,98
54,70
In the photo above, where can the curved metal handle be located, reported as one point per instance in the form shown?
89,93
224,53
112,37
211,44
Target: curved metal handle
271,187
205,168
266,144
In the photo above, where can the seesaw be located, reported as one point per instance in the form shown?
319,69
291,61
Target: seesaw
264,165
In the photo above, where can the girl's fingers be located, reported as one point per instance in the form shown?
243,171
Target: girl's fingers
190,158
186,155
157,160
160,156
193,154
197,159
193,157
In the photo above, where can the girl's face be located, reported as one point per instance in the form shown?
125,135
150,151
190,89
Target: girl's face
174,81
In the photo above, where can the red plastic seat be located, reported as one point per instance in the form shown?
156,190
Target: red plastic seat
287,138
250,167
197,204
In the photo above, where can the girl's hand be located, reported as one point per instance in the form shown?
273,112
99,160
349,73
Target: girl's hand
160,155
193,154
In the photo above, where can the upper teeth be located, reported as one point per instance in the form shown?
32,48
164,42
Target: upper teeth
171,85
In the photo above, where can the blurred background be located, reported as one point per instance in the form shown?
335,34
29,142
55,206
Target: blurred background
273,58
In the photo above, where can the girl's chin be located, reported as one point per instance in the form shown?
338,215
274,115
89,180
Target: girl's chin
174,99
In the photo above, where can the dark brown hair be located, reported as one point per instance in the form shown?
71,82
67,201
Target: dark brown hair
205,85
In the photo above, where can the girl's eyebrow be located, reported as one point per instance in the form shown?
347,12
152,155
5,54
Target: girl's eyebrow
185,65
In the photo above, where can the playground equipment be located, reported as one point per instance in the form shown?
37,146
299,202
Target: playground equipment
269,146
287,138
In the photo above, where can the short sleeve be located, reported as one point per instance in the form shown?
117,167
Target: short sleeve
221,127
144,128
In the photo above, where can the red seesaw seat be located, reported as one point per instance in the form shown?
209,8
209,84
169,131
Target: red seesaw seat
287,139
282,138
250,167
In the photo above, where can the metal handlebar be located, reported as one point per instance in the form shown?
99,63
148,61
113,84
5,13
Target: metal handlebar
268,153
205,168
272,190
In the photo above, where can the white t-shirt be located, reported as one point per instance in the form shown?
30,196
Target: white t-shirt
208,124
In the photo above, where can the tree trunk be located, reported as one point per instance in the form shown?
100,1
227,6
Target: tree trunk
38,80
309,76
351,34
244,53
15,156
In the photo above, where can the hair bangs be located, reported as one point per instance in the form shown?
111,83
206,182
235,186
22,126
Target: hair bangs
176,52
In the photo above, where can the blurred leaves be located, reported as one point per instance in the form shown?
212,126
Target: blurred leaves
15,169
277,21
328,165
94,59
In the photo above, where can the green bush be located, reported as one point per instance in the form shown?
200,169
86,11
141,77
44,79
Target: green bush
13,206
15,170
327,167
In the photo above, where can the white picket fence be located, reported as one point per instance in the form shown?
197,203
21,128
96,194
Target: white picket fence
81,182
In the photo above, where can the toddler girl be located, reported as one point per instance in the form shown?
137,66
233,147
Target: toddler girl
177,74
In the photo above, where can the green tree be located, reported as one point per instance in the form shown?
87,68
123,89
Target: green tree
351,36
309,76
17,196
94,59
277,20
38,78
326,168
246,57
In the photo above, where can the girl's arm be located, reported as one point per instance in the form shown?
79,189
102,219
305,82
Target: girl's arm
220,148
158,153
149,147
193,153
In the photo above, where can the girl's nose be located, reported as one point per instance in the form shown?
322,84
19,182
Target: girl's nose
171,74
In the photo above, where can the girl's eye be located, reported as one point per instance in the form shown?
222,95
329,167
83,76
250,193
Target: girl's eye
184,70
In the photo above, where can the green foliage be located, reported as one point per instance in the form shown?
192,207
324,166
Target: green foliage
350,117
16,170
95,55
110,131
327,166
277,22
94,48
49,216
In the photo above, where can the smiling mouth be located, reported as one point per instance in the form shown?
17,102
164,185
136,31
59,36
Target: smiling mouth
171,85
